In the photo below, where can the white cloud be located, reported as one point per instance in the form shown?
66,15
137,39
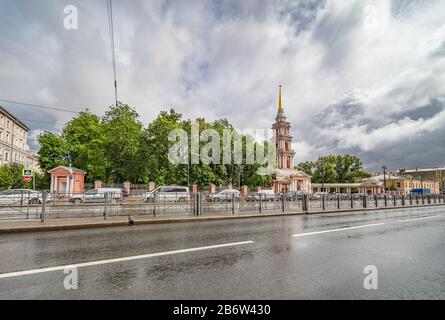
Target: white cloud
226,59
399,131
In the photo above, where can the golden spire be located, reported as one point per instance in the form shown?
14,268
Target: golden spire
280,107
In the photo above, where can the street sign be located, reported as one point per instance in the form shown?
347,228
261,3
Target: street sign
27,172
27,179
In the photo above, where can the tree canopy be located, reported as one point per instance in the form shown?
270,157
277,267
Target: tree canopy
118,147
335,169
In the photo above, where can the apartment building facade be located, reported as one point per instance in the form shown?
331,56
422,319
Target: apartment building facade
430,174
398,184
13,142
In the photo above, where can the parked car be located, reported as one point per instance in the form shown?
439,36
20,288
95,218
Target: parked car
22,196
319,194
125,192
295,195
98,196
264,195
223,195
167,193
335,196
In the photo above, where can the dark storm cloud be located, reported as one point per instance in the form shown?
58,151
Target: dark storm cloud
364,77
425,112
424,148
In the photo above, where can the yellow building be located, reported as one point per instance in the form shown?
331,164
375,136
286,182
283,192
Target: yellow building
430,174
371,186
404,184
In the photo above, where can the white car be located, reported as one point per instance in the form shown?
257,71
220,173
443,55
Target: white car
22,196
98,196
167,193
318,195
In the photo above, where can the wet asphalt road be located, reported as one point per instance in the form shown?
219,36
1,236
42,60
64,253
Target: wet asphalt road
409,256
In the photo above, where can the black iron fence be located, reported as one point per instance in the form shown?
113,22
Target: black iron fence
43,205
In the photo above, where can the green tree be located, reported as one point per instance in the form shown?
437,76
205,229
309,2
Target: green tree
53,151
334,169
159,169
124,141
5,177
11,177
116,147
85,139
42,181
307,167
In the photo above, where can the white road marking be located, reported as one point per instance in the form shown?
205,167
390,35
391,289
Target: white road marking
339,229
419,218
107,261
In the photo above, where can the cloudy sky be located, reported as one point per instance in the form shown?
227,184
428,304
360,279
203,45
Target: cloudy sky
361,77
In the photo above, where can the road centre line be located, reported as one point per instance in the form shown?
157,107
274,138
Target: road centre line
339,229
361,226
419,218
123,259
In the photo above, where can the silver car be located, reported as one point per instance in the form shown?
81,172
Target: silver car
167,193
21,196
263,195
224,195
100,195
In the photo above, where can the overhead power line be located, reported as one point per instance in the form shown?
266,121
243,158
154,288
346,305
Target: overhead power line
113,52
39,106
44,122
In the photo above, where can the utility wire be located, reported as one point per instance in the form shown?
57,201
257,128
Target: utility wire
39,121
39,106
113,52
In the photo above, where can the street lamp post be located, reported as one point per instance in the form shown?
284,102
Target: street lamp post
384,179
421,179
322,173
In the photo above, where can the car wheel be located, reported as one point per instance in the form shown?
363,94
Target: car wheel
33,201
77,201
182,199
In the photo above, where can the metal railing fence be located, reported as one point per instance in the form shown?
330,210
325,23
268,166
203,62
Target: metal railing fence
43,205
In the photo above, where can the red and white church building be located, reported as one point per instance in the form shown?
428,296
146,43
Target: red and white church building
285,177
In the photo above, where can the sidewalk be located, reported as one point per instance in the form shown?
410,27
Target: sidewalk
55,224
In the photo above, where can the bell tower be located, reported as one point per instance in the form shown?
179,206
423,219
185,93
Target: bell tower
285,154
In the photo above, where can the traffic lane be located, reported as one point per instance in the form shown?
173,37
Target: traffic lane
409,258
36,250
334,219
